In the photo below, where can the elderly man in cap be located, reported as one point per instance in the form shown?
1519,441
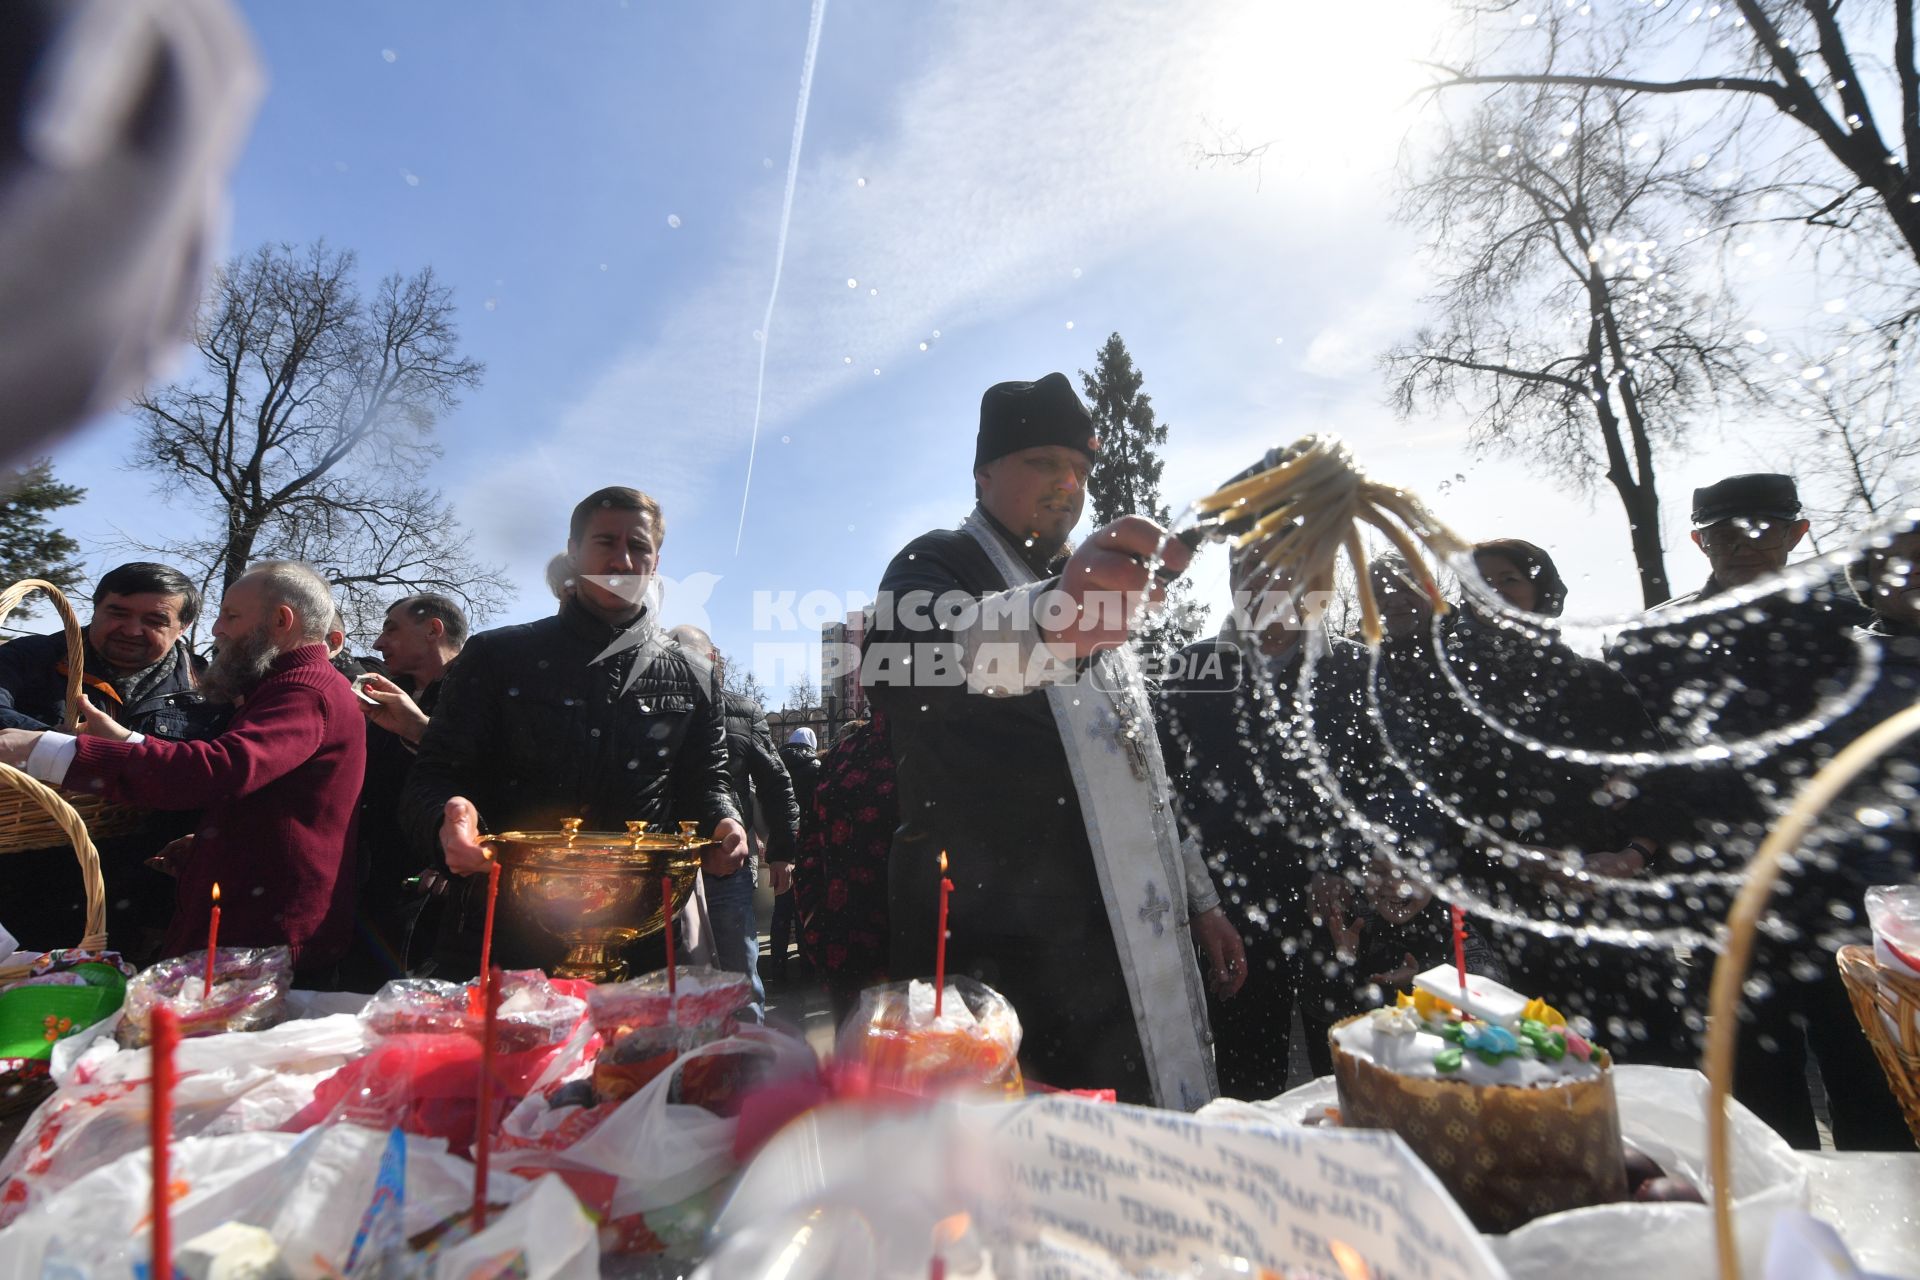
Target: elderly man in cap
1026,754
1742,678
1728,675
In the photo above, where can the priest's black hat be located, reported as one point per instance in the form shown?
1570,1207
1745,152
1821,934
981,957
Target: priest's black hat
1028,415
1757,495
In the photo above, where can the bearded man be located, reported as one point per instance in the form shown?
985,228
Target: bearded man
1025,754
279,788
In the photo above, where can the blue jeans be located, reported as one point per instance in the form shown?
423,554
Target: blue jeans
736,934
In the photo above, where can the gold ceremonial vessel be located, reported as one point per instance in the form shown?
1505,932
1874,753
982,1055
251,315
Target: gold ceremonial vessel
596,891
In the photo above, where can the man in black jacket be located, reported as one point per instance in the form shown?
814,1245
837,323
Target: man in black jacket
1237,749
1732,677
589,714
1026,755
803,764
758,777
138,670
419,638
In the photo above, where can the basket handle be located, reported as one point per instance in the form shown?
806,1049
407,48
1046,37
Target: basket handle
76,647
75,828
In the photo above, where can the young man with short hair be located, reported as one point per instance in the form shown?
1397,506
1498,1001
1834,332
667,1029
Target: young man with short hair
588,714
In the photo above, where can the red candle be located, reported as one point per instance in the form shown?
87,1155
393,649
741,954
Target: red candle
673,976
166,1034
1460,946
940,942
213,942
486,929
483,1119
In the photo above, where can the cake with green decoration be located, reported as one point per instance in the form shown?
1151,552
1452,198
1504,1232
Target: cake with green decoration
1512,1108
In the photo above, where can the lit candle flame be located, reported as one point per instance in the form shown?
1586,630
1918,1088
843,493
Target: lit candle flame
948,1230
216,891
1352,1265
943,862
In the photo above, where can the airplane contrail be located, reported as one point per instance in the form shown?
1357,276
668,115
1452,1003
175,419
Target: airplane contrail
780,250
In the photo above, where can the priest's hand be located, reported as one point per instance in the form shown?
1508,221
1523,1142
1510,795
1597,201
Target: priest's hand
95,723
1226,958
460,838
16,745
726,857
1107,579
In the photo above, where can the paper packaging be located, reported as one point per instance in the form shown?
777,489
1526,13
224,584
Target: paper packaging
1060,1186
1663,1113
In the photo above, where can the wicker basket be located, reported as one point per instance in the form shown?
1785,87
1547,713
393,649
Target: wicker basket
23,823
46,1014
1888,1006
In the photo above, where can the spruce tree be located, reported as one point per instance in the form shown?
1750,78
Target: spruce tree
1126,480
30,547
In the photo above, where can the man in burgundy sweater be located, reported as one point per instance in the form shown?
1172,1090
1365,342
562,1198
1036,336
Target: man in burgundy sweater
279,788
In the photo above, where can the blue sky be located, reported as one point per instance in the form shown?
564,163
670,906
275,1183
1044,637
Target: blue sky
1005,183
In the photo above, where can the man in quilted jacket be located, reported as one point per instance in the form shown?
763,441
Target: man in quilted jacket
591,713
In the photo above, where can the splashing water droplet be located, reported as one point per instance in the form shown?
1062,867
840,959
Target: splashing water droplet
936,335
673,220
412,179
1076,273
852,283
603,266
786,439
859,182
389,55
873,293
923,346
491,304
1755,336
876,373
1069,324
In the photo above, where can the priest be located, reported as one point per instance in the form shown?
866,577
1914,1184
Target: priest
1025,752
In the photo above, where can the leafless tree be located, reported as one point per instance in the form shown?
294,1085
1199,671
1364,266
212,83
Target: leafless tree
1815,99
802,696
307,427
1854,439
1571,322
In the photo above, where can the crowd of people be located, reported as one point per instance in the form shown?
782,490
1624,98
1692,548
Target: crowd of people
1165,866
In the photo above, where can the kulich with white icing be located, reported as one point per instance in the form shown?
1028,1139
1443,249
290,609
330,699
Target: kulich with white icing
1487,1035
1510,1106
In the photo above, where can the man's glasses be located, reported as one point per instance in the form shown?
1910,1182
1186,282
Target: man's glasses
1764,535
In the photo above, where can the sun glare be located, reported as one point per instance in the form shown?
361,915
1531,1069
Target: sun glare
1322,84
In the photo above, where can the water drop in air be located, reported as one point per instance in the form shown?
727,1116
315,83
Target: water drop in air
859,182
673,220
389,55
852,283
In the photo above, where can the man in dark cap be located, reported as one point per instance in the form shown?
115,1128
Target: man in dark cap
1026,754
1727,676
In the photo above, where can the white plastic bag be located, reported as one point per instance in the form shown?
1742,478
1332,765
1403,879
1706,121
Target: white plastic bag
1663,1112
658,1152
233,1083
1060,1186
310,1192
